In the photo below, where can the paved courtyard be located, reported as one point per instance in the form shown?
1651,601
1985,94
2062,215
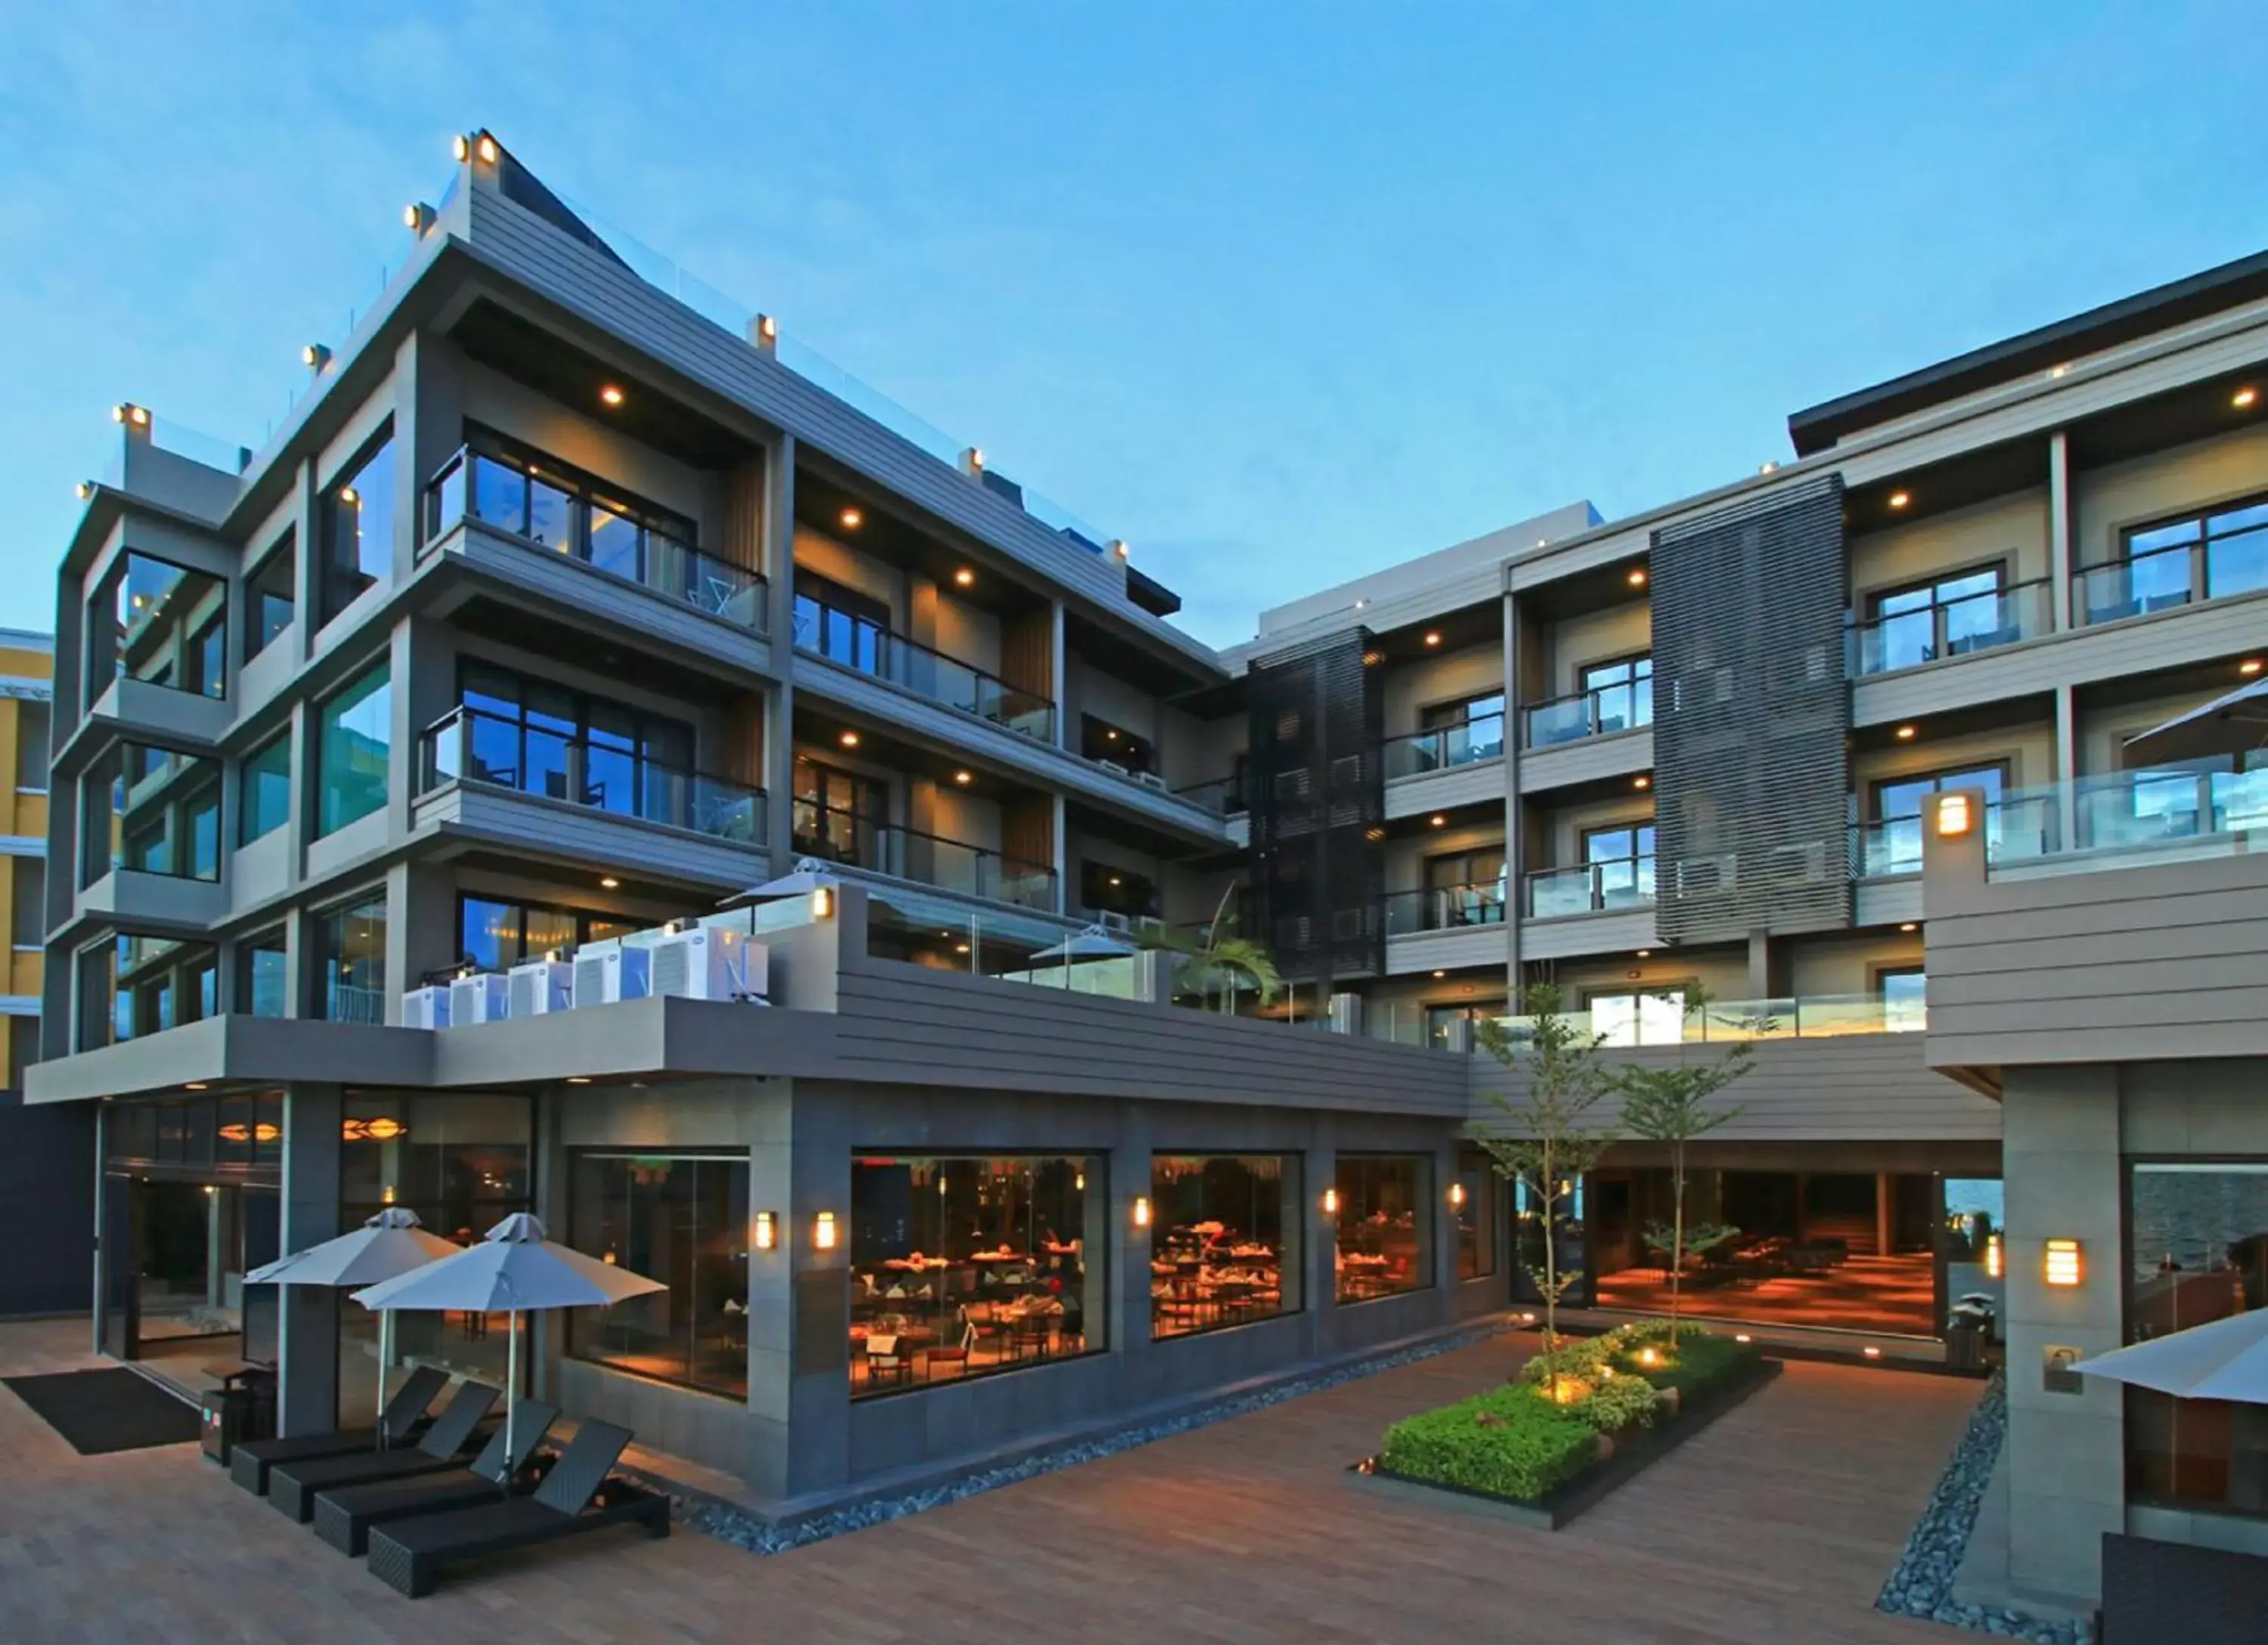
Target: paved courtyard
1779,1523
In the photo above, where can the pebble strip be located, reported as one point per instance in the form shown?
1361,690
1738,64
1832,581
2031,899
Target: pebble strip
1921,1585
729,1522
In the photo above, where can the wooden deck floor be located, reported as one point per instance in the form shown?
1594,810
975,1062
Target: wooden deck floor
1779,1523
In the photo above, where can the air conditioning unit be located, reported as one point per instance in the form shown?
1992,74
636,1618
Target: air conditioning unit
709,964
1151,779
425,1009
539,987
606,973
1111,920
1113,765
484,997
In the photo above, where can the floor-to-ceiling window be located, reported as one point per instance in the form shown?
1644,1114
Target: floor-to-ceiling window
681,1218
1384,1224
972,1264
1473,1205
1224,1243
354,745
357,525
495,933
351,960
264,789
262,962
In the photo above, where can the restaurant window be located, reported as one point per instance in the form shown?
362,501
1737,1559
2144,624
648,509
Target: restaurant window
264,801
269,595
1385,1224
350,961
684,1220
33,723
354,742
260,959
1472,1207
1224,1240
132,986
2199,1235
972,1264
495,933
1104,887
28,893
357,525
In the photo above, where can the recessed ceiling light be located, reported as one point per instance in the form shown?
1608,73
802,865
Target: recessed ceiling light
1438,819
579,1078
850,739
1909,926
964,577
611,394
610,883
1441,973
964,778
1115,879
1432,637
2242,398
1641,782
199,1085
1637,577
853,519
1905,734
1110,736
1645,954
961,947
2250,665
1899,499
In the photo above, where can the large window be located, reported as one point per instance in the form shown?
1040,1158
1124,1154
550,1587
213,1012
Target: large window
269,595
836,813
2200,557
132,986
542,738
2198,1235
1465,712
1905,998
1225,1241
354,745
1473,1202
1621,860
1620,693
968,1266
350,961
684,1220
1944,617
495,933
160,624
1385,1224
357,525
1465,887
1104,887
1656,1017
260,962
151,810
1894,845
33,723
264,801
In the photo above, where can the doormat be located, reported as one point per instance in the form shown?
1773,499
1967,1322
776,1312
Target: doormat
106,1410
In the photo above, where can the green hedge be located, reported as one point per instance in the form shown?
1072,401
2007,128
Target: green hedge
1528,1447
1704,1362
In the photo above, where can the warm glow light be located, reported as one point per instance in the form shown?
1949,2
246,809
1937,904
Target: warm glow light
851,518
315,356
1909,926
1528,1319
610,883
964,578
1439,974
127,411
1996,1261
1953,817
2250,666
460,145
1647,1356
1641,782
1742,1335
1905,734
1118,547
194,1085
350,495
1872,1352
1457,1196
1438,820
610,396
2242,398
489,150
1432,637
85,489
966,778
1899,499
1141,1211
1330,1202
1637,576
768,327
1645,954
766,1230
2060,1264
850,739
823,1231
823,901
579,1078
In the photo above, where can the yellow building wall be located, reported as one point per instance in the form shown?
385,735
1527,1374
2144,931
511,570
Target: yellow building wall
23,816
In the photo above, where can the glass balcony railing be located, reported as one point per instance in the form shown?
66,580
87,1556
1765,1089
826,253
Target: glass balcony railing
1594,713
471,746
859,644
1223,796
904,853
1949,628
2210,805
1445,747
1591,888
1884,849
1664,1020
473,486
2232,559
1445,908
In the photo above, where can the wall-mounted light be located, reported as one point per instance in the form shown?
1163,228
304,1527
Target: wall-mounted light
1456,1196
315,357
1331,1201
963,779
2060,1263
1996,1258
1953,817
851,518
418,217
822,902
2243,399
127,411
194,1085
1904,734
461,146
1439,974
766,1230
489,151
823,1231
1141,1211
1438,820
1641,783
607,882
2250,666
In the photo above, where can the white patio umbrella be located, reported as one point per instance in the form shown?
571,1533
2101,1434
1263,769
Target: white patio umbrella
808,875
391,1243
2233,724
1093,943
2225,1360
514,1270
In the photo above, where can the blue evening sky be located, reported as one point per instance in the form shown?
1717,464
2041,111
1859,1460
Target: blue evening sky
1280,292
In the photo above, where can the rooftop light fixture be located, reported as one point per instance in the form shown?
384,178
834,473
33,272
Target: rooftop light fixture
1768,466
127,411
1871,1352
610,396
489,151
417,217
851,518
850,739
86,488
1899,499
964,578
2243,398
2059,371
315,357
350,495
1440,974
461,146
1905,734
1118,547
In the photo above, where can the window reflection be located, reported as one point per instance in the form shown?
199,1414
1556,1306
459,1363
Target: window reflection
350,961
682,1220
1384,1230
1472,1206
968,1266
1225,1246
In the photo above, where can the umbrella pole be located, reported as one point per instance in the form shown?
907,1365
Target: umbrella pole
385,1358
511,1380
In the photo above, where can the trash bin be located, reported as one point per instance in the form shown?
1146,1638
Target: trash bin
230,1414
1965,1344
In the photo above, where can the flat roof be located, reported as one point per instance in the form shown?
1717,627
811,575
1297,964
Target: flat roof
2160,308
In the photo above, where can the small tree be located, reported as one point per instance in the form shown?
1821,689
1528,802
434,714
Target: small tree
1672,1106
1217,957
1548,1138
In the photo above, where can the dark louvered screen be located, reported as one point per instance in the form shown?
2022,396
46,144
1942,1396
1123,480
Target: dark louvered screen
1752,720
1317,795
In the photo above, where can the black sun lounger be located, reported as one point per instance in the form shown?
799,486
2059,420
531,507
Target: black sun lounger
345,1514
577,1497
291,1485
249,1462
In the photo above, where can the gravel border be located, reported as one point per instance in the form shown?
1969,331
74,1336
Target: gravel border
728,1522
1921,1583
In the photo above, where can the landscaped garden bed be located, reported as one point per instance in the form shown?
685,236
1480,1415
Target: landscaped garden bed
1578,1421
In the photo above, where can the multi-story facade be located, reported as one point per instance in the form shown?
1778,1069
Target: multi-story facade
563,611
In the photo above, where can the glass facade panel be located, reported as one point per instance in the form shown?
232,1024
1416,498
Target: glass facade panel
157,622
264,789
684,1220
261,962
1473,1205
496,933
133,986
357,515
152,811
1384,1224
1224,1240
354,745
350,961
270,596
970,1265
2198,1235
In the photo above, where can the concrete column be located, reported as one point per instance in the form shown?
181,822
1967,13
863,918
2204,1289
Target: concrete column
306,572
2066,766
307,1321
779,556
1322,1264
1129,1246
1760,965
800,1298
1060,852
1515,889
99,1291
1057,663
2065,1457
1802,1207
2060,545
1445,1227
1886,1221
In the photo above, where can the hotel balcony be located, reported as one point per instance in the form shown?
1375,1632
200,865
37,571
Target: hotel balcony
1589,908
905,854
2189,562
860,646
1932,630
1446,928
1445,768
1587,735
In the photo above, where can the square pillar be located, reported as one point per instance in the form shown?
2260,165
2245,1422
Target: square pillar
2060,613
307,1317
1323,1253
800,1298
